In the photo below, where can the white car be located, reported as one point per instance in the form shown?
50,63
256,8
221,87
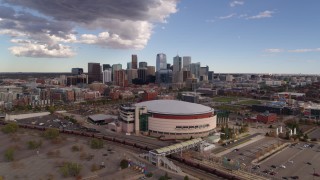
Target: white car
290,161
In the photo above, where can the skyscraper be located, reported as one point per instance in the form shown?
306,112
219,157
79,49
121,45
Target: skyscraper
151,70
129,65
195,69
120,78
132,74
142,74
106,76
114,68
76,71
186,63
106,67
134,61
177,64
94,72
161,61
143,64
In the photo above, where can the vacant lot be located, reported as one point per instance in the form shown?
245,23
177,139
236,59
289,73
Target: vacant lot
47,160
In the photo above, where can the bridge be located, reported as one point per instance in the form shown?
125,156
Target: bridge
158,156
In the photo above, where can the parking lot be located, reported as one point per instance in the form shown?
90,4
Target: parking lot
247,154
315,134
296,161
52,121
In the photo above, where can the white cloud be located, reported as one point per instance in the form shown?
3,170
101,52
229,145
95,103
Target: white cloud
304,50
228,16
236,3
28,48
120,24
210,20
264,14
275,50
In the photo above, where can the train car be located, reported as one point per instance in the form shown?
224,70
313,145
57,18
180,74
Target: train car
141,146
118,140
79,133
129,143
108,138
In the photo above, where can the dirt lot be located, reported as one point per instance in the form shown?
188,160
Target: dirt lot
46,161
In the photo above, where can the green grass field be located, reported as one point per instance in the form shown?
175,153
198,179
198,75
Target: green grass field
228,108
225,99
249,102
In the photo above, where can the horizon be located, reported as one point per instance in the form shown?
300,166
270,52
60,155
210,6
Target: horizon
229,36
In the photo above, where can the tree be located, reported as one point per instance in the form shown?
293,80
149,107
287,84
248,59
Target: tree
186,178
34,144
10,128
70,169
96,143
124,163
51,134
9,154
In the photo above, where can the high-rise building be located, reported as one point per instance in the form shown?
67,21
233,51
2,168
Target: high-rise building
195,69
106,76
142,74
210,75
132,74
161,61
186,63
151,70
106,67
177,64
164,76
94,72
129,65
169,66
143,64
76,71
120,78
114,68
186,75
204,71
134,61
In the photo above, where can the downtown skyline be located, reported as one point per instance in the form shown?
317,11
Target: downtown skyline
229,36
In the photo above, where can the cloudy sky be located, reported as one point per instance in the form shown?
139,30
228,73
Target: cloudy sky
265,36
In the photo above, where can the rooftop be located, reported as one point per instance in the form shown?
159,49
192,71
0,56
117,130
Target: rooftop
101,117
174,107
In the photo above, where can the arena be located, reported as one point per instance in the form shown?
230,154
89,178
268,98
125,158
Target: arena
171,119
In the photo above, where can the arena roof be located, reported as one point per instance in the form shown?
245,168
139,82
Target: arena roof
174,107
